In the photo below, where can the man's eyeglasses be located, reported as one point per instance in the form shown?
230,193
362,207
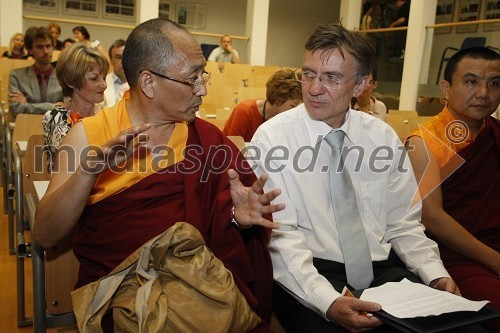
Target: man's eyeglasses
195,85
327,80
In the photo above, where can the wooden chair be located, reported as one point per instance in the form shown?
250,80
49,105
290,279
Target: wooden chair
6,65
56,53
399,124
265,70
237,140
25,126
212,67
223,113
221,95
208,110
245,93
257,80
407,114
55,270
239,71
217,122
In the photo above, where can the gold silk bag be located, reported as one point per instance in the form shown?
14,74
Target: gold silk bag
173,283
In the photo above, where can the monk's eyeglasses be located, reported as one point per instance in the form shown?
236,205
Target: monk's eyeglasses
195,83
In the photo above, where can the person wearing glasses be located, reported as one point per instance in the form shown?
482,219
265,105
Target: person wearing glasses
309,250
368,103
148,162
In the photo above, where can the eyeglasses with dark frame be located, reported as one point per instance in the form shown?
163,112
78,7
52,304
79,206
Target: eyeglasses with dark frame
327,80
196,85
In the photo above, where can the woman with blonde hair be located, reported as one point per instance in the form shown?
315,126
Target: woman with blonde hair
81,72
16,48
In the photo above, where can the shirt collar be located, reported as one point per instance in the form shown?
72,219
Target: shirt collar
116,78
38,71
317,130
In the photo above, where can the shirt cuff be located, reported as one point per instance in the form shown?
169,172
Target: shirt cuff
432,271
323,297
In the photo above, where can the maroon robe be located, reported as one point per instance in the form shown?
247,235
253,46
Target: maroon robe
471,195
196,191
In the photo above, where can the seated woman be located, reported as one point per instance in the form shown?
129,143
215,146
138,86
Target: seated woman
16,48
81,72
283,93
81,35
367,103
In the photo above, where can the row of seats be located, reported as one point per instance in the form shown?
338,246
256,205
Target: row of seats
24,168
232,84
403,122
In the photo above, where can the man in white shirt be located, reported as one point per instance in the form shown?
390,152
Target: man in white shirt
117,82
225,52
306,250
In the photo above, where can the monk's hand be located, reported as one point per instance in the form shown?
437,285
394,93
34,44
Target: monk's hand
354,314
250,203
445,284
115,153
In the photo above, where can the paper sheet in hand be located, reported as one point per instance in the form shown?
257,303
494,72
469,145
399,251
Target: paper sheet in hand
406,299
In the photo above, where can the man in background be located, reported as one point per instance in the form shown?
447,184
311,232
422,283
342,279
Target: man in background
225,52
117,82
35,89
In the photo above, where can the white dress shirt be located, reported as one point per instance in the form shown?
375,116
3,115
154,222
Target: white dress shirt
113,92
384,184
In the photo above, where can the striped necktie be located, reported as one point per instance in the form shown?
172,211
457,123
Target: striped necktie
357,258
43,88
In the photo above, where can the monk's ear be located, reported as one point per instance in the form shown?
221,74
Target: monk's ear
445,86
147,83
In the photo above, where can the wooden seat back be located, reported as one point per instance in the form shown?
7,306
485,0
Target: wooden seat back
61,265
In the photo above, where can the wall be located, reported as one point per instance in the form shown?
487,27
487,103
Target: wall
454,39
289,24
223,17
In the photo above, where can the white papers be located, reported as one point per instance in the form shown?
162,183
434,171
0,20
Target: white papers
406,299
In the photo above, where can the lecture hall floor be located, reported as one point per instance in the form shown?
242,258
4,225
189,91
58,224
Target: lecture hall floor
8,289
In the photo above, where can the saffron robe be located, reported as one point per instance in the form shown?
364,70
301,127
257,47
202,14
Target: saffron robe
471,196
194,190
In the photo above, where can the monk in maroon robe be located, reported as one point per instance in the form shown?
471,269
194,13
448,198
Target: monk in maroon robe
133,170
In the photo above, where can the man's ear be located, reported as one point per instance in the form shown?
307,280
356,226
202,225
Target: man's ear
361,86
147,84
445,86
